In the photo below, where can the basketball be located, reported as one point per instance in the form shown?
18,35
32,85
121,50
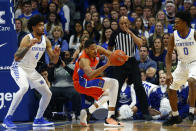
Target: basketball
118,58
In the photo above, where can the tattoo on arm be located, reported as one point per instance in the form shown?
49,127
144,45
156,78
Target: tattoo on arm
21,52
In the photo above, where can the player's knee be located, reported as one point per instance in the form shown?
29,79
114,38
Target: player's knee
23,90
115,83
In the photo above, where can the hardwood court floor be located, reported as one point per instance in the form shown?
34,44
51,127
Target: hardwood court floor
98,126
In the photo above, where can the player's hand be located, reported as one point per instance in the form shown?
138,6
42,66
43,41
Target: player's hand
33,42
169,79
56,50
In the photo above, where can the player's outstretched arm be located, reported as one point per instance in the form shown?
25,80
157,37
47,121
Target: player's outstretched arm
25,44
54,54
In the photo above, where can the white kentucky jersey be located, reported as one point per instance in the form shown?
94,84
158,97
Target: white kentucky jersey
149,87
33,54
186,47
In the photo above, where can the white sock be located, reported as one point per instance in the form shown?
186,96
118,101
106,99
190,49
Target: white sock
191,110
110,113
92,108
175,113
100,102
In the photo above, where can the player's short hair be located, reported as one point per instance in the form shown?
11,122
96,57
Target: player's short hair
88,43
33,21
185,16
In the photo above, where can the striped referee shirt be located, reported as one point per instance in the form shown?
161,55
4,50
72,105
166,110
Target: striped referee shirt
123,41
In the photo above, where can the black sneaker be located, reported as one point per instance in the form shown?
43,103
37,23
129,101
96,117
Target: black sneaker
172,120
147,117
191,116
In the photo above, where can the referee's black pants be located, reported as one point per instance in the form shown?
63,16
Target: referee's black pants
131,71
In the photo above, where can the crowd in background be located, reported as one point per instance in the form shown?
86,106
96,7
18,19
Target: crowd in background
69,23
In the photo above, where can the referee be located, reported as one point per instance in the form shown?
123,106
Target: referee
126,40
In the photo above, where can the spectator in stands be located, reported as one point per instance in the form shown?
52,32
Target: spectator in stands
115,5
139,26
106,11
106,23
133,15
92,9
187,4
44,8
147,13
114,15
158,53
145,41
127,102
138,10
83,39
18,9
96,21
127,3
86,33
170,12
157,5
62,84
158,99
94,34
192,10
146,63
53,21
64,14
151,22
19,31
27,14
114,25
72,8
87,18
158,33
137,2
163,19
53,7
74,41
183,106
35,6
165,40
174,61
57,34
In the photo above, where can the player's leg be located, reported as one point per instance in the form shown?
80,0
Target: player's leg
179,78
38,82
19,75
192,90
134,77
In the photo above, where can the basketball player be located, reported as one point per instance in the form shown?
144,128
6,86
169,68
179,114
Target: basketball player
23,71
101,89
184,39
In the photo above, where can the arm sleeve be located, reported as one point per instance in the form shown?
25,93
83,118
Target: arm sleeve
133,96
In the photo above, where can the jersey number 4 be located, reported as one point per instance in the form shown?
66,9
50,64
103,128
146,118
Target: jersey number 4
37,55
186,51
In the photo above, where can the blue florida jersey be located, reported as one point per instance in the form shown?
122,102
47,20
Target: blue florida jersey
34,54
